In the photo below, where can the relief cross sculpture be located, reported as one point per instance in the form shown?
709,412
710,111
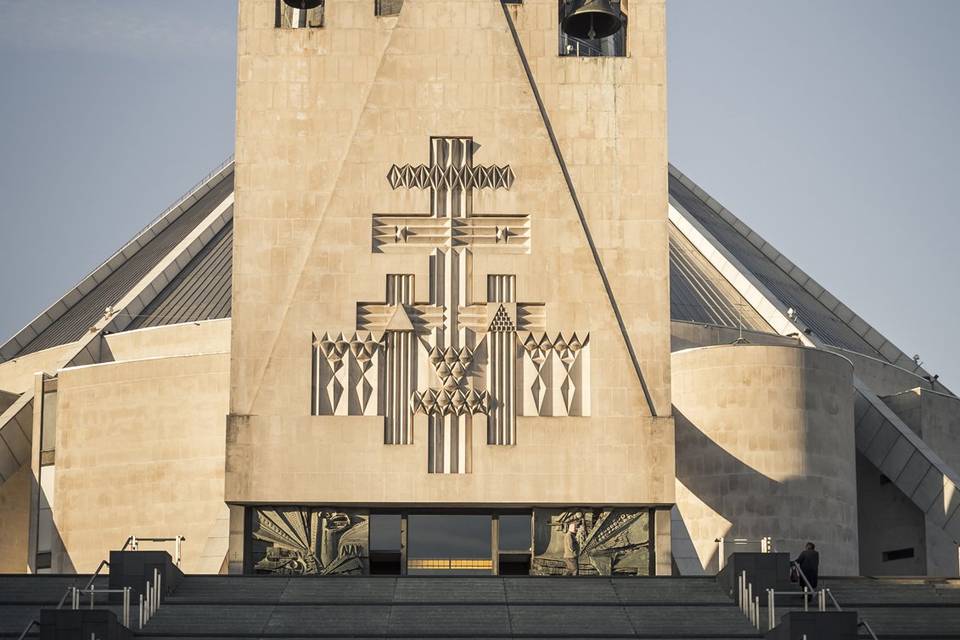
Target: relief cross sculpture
450,358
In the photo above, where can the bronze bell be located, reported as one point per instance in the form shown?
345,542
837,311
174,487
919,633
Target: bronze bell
592,19
303,5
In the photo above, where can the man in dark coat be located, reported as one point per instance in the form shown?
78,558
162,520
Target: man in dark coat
809,563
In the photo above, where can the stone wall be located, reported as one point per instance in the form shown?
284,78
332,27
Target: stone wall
322,117
191,338
935,417
14,521
765,447
140,451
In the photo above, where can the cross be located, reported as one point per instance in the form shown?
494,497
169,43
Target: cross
450,357
450,326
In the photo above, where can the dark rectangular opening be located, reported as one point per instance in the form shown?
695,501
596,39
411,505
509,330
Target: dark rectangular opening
614,45
449,544
898,554
299,14
387,8
385,544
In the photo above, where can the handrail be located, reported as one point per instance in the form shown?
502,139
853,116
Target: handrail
866,625
794,564
134,543
30,625
862,621
766,546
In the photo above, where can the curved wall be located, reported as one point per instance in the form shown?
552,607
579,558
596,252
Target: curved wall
765,447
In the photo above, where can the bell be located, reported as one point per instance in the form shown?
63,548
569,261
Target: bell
303,5
592,19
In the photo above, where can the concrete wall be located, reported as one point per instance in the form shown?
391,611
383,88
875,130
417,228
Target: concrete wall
935,417
888,521
687,335
881,376
191,338
14,521
140,451
322,114
16,376
765,447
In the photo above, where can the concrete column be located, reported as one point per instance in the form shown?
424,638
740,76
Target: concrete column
235,554
662,542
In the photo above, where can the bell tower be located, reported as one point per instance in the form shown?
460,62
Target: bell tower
450,284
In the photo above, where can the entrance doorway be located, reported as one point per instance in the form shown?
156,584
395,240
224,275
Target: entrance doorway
450,543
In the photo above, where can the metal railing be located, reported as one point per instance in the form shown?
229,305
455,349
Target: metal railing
861,622
133,542
93,591
30,625
765,543
151,598
153,590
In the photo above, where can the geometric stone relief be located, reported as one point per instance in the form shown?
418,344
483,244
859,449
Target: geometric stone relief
609,541
310,541
555,375
442,361
346,370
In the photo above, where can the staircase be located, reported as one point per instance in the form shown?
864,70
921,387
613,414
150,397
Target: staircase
896,608
22,597
419,607
488,607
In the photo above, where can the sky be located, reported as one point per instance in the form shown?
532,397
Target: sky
831,127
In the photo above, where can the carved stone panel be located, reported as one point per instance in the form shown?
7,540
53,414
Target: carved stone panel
608,541
449,358
310,541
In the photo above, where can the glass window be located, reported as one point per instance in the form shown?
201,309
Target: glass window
515,532
449,544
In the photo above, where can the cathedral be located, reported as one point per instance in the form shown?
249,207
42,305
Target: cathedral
446,307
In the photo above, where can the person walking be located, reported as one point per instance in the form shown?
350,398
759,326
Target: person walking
809,563
570,550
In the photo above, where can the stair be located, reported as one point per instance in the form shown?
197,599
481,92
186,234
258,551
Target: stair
464,607
22,597
896,608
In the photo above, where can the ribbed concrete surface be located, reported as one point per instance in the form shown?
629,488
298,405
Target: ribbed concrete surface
22,597
420,607
907,608
441,607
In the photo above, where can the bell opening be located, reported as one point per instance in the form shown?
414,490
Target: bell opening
592,28
591,19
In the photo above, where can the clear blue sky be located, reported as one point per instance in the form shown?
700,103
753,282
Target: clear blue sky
831,127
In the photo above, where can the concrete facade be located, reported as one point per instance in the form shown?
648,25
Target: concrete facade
764,448
323,114
140,451
935,417
14,525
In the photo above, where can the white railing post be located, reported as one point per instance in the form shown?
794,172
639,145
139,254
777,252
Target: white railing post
743,600
740,593
159,588
750,593
722,555
806,599
771,604
92,591
141,611
146,605
756,617
179,539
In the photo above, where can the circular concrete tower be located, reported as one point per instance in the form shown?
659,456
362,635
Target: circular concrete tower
765,447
